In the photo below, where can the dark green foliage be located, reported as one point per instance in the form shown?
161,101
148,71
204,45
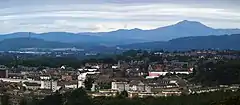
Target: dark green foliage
122,94
5,99
55,99
35,102
104,85
227,72
88,83
195,99
231,100
194,42
17,43
23,102
78,97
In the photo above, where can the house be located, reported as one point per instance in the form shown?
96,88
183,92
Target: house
120,86
133,94
158,86
147,94
31,86
177,63
49,84
3,71
66,78
138,86
105,93
68,84
171,93
45,77
156,67
157,74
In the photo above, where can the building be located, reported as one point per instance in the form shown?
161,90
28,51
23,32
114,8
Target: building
80,84
45,77
67,78
139,86
105,93
31,86
49,84
3,71
157,74
120,86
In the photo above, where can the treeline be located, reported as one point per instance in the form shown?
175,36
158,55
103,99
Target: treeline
52,61
218,73
80,97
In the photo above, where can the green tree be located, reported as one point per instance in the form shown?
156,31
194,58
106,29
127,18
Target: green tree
88,83
78,97
55,99
5,99
23,102
122,94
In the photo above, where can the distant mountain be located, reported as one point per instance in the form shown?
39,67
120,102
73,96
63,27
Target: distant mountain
18,43
181,29
184,43
69,38
54,36
187,43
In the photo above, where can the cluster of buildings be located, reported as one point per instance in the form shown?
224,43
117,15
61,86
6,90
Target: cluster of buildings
138,77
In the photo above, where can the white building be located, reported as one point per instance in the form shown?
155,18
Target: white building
18,80
63,67
115,67
45,77
49,85
72,86
157,74
81,84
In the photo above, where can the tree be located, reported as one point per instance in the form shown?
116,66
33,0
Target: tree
122,94
55,99
5,99
23,102
78,97
88,83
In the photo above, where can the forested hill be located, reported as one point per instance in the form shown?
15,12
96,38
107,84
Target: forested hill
187,43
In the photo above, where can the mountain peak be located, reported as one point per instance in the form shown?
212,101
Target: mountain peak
187,22
191,25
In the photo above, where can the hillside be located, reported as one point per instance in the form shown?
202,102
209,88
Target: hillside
187,43
17,43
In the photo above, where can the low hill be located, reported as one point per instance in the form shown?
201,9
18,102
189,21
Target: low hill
17,43
187,43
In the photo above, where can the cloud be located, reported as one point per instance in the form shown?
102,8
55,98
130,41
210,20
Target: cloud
108,15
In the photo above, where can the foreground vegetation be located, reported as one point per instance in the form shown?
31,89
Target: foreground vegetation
80,97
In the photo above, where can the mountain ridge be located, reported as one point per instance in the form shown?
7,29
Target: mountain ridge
221,42
183,28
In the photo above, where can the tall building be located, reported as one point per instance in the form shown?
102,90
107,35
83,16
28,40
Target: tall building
49,84
3,71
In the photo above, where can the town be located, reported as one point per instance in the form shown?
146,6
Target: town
139,73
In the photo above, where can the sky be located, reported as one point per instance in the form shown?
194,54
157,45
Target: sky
108,15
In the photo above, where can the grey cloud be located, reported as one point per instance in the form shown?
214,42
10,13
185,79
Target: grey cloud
107,15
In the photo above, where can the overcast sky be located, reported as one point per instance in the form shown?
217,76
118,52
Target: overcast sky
108,15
